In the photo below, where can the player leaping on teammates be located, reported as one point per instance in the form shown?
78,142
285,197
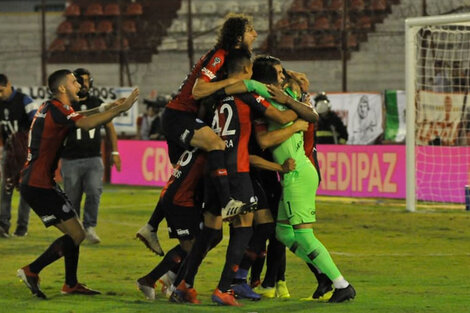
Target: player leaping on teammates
296,213
51,125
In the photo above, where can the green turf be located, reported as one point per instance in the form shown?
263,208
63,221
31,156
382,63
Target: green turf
397,261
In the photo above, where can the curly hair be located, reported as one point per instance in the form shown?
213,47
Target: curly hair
233,28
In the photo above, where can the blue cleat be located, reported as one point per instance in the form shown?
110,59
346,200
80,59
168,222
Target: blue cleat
244,291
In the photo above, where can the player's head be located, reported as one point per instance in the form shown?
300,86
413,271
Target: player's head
63,83
237,31
268,70
85,80
238,62
322,103
5,87
363,107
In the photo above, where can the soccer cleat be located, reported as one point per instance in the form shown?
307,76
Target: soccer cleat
31,280
20,231
225,298
150,239
184,294
147,290
322,293
244,291
268,292
343,294
91,236
281,289
236,207
166,282
4,232
78,289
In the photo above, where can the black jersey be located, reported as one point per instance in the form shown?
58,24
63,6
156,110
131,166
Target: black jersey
16,114
81,143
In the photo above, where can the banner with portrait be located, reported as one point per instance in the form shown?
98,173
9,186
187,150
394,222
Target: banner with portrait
439,117
361,113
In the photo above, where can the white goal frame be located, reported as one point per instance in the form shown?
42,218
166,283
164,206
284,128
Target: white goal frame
410,72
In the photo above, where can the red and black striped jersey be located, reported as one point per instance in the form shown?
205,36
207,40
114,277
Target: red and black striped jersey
47,133
232,122
182,187
207,68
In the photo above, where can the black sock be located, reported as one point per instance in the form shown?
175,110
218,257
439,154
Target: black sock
321,277
71,254
239,238
275,263
54,252
172,258
157,216
218,175
256,246
257,267
204,242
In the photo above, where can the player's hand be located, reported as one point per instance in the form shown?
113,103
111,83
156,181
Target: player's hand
302,79
278,94
130,100
301,125
288,165
117,162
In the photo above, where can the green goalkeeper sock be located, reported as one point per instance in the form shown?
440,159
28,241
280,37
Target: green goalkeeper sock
316,252
285,234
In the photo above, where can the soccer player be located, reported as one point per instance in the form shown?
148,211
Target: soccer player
180,200
184,130
16,113
297,207
233,123
51,125
82,167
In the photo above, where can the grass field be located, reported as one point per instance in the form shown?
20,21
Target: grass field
397,261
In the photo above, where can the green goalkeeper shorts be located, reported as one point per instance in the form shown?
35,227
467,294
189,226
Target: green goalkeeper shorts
297,204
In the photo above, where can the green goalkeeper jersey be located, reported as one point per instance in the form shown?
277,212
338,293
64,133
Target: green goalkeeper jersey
290,148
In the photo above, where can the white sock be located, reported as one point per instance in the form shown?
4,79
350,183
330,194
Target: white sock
340,283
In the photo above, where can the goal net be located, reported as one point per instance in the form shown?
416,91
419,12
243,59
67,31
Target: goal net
438,109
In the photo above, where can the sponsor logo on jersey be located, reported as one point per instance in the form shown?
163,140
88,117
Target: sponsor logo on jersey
47,218
181,232
184,135
259,99
217,60
208,73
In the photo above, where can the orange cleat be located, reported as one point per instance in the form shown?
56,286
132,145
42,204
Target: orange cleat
80,289
225,298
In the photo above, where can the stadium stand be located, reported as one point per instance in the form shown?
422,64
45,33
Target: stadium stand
93,28
323,32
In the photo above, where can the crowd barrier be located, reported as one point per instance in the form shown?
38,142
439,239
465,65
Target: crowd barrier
346,170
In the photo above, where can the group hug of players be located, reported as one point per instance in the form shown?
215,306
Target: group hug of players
233,126
241,138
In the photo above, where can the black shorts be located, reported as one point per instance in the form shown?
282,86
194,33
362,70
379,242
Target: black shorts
266,184
51,205
178,127
260,194
184,223
241,189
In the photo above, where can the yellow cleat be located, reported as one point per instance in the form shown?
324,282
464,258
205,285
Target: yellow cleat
269,292
323,298
281,289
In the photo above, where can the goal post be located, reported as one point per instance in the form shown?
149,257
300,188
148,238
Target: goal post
437,50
